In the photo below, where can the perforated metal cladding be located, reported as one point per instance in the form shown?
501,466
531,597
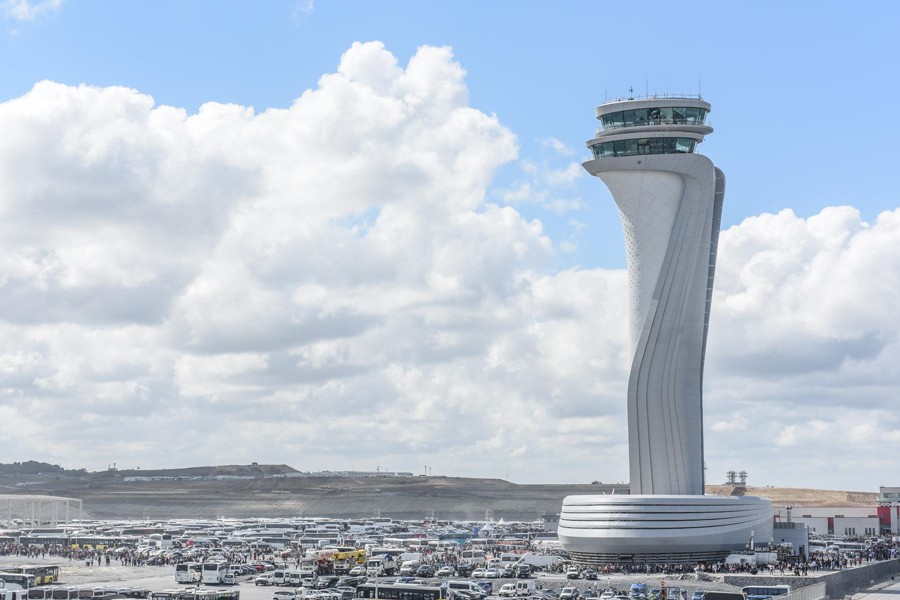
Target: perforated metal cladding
647,202
667,205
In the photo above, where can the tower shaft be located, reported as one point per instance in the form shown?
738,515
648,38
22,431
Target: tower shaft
670,204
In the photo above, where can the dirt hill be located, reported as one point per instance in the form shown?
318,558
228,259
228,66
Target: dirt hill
281,491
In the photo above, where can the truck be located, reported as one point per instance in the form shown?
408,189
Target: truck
307,568
380,566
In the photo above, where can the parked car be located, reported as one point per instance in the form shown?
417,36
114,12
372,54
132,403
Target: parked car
492,573
568,593
477,573
590,574
326,581
425,571
507,590
573,573
523,571
229,579
698,595
359,571
264,580
285,595
508,573
446,572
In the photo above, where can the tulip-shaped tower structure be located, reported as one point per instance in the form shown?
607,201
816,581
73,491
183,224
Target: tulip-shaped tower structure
670,204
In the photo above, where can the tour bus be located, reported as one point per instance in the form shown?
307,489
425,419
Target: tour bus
160,540
214,571
765,591
400,591
64,593
17,581
189,572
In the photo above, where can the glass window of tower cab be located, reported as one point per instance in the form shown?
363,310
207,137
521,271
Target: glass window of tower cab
653,125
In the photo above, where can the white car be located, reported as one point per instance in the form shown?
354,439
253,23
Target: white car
507,589
573,573
229,579
568,593
264,580
445,572
492,573
284,595
479,572
357,571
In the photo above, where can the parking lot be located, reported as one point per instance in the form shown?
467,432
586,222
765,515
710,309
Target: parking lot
157,578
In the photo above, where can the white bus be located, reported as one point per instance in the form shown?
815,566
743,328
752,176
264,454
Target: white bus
473,558
214,571
17,581
189,572
765,591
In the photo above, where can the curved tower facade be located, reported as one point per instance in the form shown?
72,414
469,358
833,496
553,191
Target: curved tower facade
670,204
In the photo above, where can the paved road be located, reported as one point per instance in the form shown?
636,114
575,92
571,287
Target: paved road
881,592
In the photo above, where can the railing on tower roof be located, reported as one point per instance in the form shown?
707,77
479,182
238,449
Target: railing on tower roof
666,96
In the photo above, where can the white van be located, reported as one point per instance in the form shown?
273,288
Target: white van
469,587
280,577
525,587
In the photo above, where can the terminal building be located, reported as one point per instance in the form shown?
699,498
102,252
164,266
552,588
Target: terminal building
670,203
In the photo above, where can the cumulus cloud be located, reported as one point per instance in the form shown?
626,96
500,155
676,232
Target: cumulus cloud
334,280
29,10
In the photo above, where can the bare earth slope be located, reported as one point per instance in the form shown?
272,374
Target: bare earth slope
276,491
802,497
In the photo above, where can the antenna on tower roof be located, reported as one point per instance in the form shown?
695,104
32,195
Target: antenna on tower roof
700,88
646,87
630,93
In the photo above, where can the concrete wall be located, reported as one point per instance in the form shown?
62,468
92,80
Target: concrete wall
837,585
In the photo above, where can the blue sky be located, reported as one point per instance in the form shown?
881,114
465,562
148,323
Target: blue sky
383,239
784,79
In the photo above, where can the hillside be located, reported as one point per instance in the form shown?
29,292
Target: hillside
278,491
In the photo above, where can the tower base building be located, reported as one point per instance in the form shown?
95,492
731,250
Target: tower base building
661,529
670,203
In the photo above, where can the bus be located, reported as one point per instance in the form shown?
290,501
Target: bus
473,558
758,592
189,572
13,594
169,595
214,571
95,542
44,540
17,581
43,574
400,591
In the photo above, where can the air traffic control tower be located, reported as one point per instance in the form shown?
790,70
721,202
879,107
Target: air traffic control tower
670,204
